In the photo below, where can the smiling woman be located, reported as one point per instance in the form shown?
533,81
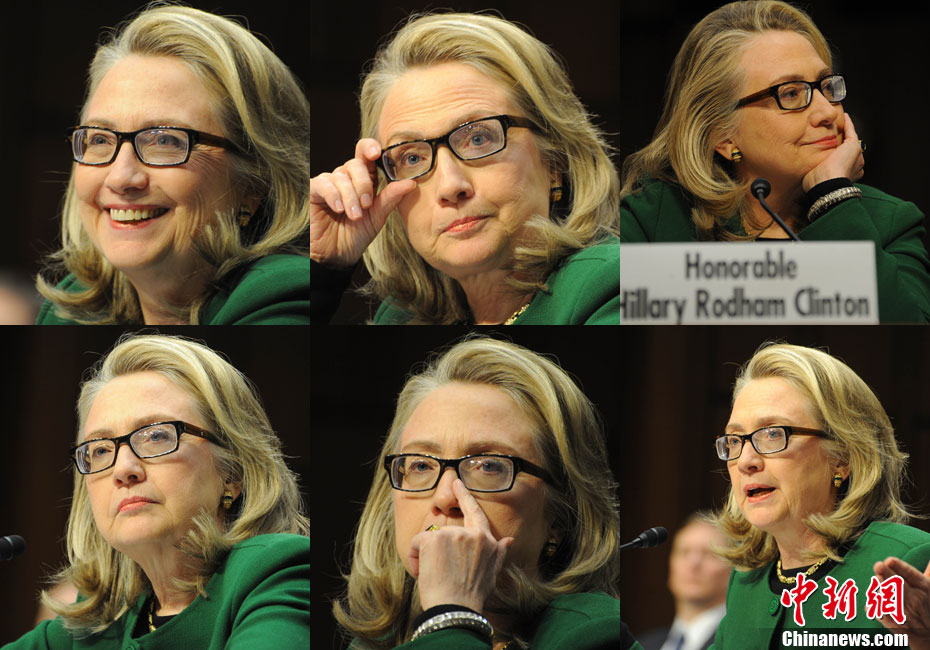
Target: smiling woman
498,199
752,93
188,198
186,526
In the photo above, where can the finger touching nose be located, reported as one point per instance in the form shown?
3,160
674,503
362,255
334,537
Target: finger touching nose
444,497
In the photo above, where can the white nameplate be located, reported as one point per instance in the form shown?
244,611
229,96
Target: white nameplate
748,283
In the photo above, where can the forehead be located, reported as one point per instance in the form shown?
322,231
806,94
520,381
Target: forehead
139,90
697,534
775,56
456,417
137,394
771,400
429,101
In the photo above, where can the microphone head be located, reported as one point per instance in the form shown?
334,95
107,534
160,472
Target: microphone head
760,187
654,536
11,546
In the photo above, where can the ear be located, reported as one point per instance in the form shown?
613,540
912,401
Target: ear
235,488
555,178
725,148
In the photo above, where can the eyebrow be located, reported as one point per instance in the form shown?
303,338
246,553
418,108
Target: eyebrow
149,124
138,423
799,77
472,448
409,136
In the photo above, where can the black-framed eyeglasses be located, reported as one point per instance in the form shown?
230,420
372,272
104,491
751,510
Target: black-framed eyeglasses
479,472
160,146
150,441
767,440
468,141
797,95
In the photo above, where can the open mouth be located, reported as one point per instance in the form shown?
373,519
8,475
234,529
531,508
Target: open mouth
136,215
758,491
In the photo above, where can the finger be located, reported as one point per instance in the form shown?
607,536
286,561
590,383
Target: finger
322,189
413,554
347,194
367,149
849,131
893,566
388,199
358,171
474,515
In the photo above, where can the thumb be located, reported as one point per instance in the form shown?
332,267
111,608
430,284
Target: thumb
388,199
503,546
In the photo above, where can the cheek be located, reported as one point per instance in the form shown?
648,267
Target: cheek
87,182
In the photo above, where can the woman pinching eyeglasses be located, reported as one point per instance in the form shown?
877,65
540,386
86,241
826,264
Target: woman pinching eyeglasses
188,197
480,191
491,522
753,93
186,527
814,501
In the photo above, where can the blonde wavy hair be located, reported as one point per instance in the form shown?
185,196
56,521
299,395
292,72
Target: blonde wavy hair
251,455
570,144
381,600
263,112
700,111
860,436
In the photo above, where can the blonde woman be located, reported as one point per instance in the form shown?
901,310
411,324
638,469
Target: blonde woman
815,480
492,518
497,198
186,526
753,93
187,201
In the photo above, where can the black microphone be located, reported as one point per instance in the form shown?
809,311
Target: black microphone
648,538
11,546
760,189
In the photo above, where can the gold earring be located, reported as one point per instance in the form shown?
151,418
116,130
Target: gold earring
244,217
551,547
736,155
227,500
837,480
555,194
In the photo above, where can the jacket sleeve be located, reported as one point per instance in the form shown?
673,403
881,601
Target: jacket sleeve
901,263
47,635
275,613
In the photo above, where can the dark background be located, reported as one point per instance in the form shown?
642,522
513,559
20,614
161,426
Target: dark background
45,51
878,50
675,399
344,37
41,372
356,377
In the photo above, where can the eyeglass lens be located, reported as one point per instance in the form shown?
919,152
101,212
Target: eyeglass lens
469,142
154,146
155,440
481,473
798,94
765,441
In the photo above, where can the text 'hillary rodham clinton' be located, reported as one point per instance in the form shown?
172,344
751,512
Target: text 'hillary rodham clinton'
748,282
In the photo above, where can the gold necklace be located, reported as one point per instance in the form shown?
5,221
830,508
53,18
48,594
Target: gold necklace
517,314
806,574
152,627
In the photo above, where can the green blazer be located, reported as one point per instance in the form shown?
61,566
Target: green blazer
661,212
259,599
274,290
583,290
576,621
755,618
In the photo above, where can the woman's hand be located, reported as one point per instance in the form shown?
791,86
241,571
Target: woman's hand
458,565
345,214
916,601
846,161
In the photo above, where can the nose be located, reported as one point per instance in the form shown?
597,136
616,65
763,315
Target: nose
452,177
822,112
126,173
128,469
749,460
444,500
